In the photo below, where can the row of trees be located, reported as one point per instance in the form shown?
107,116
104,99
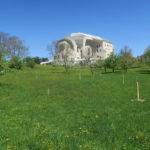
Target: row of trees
123,60
12,48
13,52
38,60
145,57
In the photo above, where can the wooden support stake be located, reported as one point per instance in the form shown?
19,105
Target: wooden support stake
123,79
48,91
138,91
80,76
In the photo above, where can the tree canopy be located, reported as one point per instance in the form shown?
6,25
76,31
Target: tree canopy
11,46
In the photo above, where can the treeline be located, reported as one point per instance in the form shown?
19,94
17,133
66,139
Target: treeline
124,60
14,53
121,61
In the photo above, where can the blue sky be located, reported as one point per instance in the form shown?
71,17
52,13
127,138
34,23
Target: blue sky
38,22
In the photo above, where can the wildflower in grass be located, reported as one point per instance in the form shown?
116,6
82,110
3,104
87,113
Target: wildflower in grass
96,116
83,130
67,136
7,139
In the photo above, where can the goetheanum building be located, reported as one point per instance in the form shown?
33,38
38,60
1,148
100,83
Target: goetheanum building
80,47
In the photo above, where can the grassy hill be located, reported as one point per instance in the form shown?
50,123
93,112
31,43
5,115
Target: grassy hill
46,108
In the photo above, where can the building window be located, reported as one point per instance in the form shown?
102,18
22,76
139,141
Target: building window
98,46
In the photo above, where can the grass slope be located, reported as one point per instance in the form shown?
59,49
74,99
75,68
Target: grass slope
45,108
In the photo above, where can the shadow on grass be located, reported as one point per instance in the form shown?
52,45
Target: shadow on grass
110,72
143,71
6,86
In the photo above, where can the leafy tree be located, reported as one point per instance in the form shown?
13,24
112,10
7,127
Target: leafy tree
125,58
62,53
44,59
103,64
65,56
15,62
12,45
37,60
87,55
52,49
146,56
100,64
113,61
29,62
106,64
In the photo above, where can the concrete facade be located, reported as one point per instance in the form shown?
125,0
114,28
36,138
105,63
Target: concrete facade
78,47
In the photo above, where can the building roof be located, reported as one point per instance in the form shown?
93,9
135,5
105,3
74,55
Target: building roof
85,35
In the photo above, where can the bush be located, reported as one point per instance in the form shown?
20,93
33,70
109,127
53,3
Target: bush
15,63
1,64
30,62
1,69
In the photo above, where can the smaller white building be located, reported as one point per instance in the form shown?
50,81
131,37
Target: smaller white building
79,47
44,63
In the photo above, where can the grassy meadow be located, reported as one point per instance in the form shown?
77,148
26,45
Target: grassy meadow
47,109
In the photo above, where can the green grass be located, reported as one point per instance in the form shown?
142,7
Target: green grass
77,113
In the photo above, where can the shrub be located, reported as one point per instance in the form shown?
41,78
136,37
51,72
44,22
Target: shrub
30,62
15,63
1,69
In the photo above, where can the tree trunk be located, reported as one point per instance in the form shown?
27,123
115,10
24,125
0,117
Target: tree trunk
113,69
92,71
